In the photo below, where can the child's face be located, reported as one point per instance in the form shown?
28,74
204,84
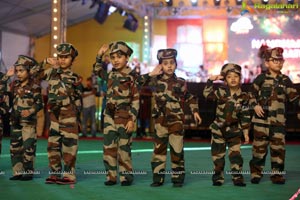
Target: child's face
168,66
233,80
65,61
118,60
22,73
274,65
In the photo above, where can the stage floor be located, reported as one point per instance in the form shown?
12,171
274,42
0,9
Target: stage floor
198,184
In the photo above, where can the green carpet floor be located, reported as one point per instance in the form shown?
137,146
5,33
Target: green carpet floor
198,183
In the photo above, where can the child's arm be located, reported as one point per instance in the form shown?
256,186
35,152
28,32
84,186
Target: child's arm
209,92
145,79
98,66
245,117
133,112
254,91
38,102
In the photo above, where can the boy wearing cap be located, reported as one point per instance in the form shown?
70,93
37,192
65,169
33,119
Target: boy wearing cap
122,104
170,94
270,91
231,122
64,102
27,101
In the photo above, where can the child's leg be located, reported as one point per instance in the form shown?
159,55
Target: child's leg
54,147
236,160
177,153
29,145
159,156
85,114
277,152
218,150
110,150
69,131
259,151
124,155
93,120
16,151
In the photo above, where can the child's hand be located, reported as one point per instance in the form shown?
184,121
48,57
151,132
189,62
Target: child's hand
216,77
246,136
129,127
102,50
52,61
10,72
156,71
197,118
259,111
25,113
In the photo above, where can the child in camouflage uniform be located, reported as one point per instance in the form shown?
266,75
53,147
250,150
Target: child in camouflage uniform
170,94
122,104
27,101
270,92
232,120
64,101
4,103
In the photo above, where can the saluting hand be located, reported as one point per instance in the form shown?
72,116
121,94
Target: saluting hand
103,49
10,72
216,77
156,71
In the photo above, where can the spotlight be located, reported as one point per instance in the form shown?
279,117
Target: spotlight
131,23
111,9
169,3
290,1
122,12
102,12
264,1
194,3
217,2
238,2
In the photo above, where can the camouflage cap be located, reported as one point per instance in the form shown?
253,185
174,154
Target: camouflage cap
230,67
120,46
25,61
166,53
274,53
66,49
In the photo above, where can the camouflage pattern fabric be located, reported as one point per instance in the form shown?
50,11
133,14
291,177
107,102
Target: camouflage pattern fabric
170,95
232,116
64,101
272,94
4,103
23,135
122,105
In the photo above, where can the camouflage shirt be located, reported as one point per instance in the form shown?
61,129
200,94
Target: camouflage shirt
231,109
4,107
272,94
170,95
27,97
65,87
122,90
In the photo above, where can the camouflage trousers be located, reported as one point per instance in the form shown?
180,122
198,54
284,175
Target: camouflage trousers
172,134
22,149
117,149
63,143
264,136
219,141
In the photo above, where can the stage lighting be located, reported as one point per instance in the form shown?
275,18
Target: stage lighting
264,1
111,9
122,12
169,2
238,2
102,12
131,23
194,3
290,1
217,2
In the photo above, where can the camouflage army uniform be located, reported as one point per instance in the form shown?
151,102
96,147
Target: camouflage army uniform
122,104
64,101
4,104
23,135
232,115
271,94
170,94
